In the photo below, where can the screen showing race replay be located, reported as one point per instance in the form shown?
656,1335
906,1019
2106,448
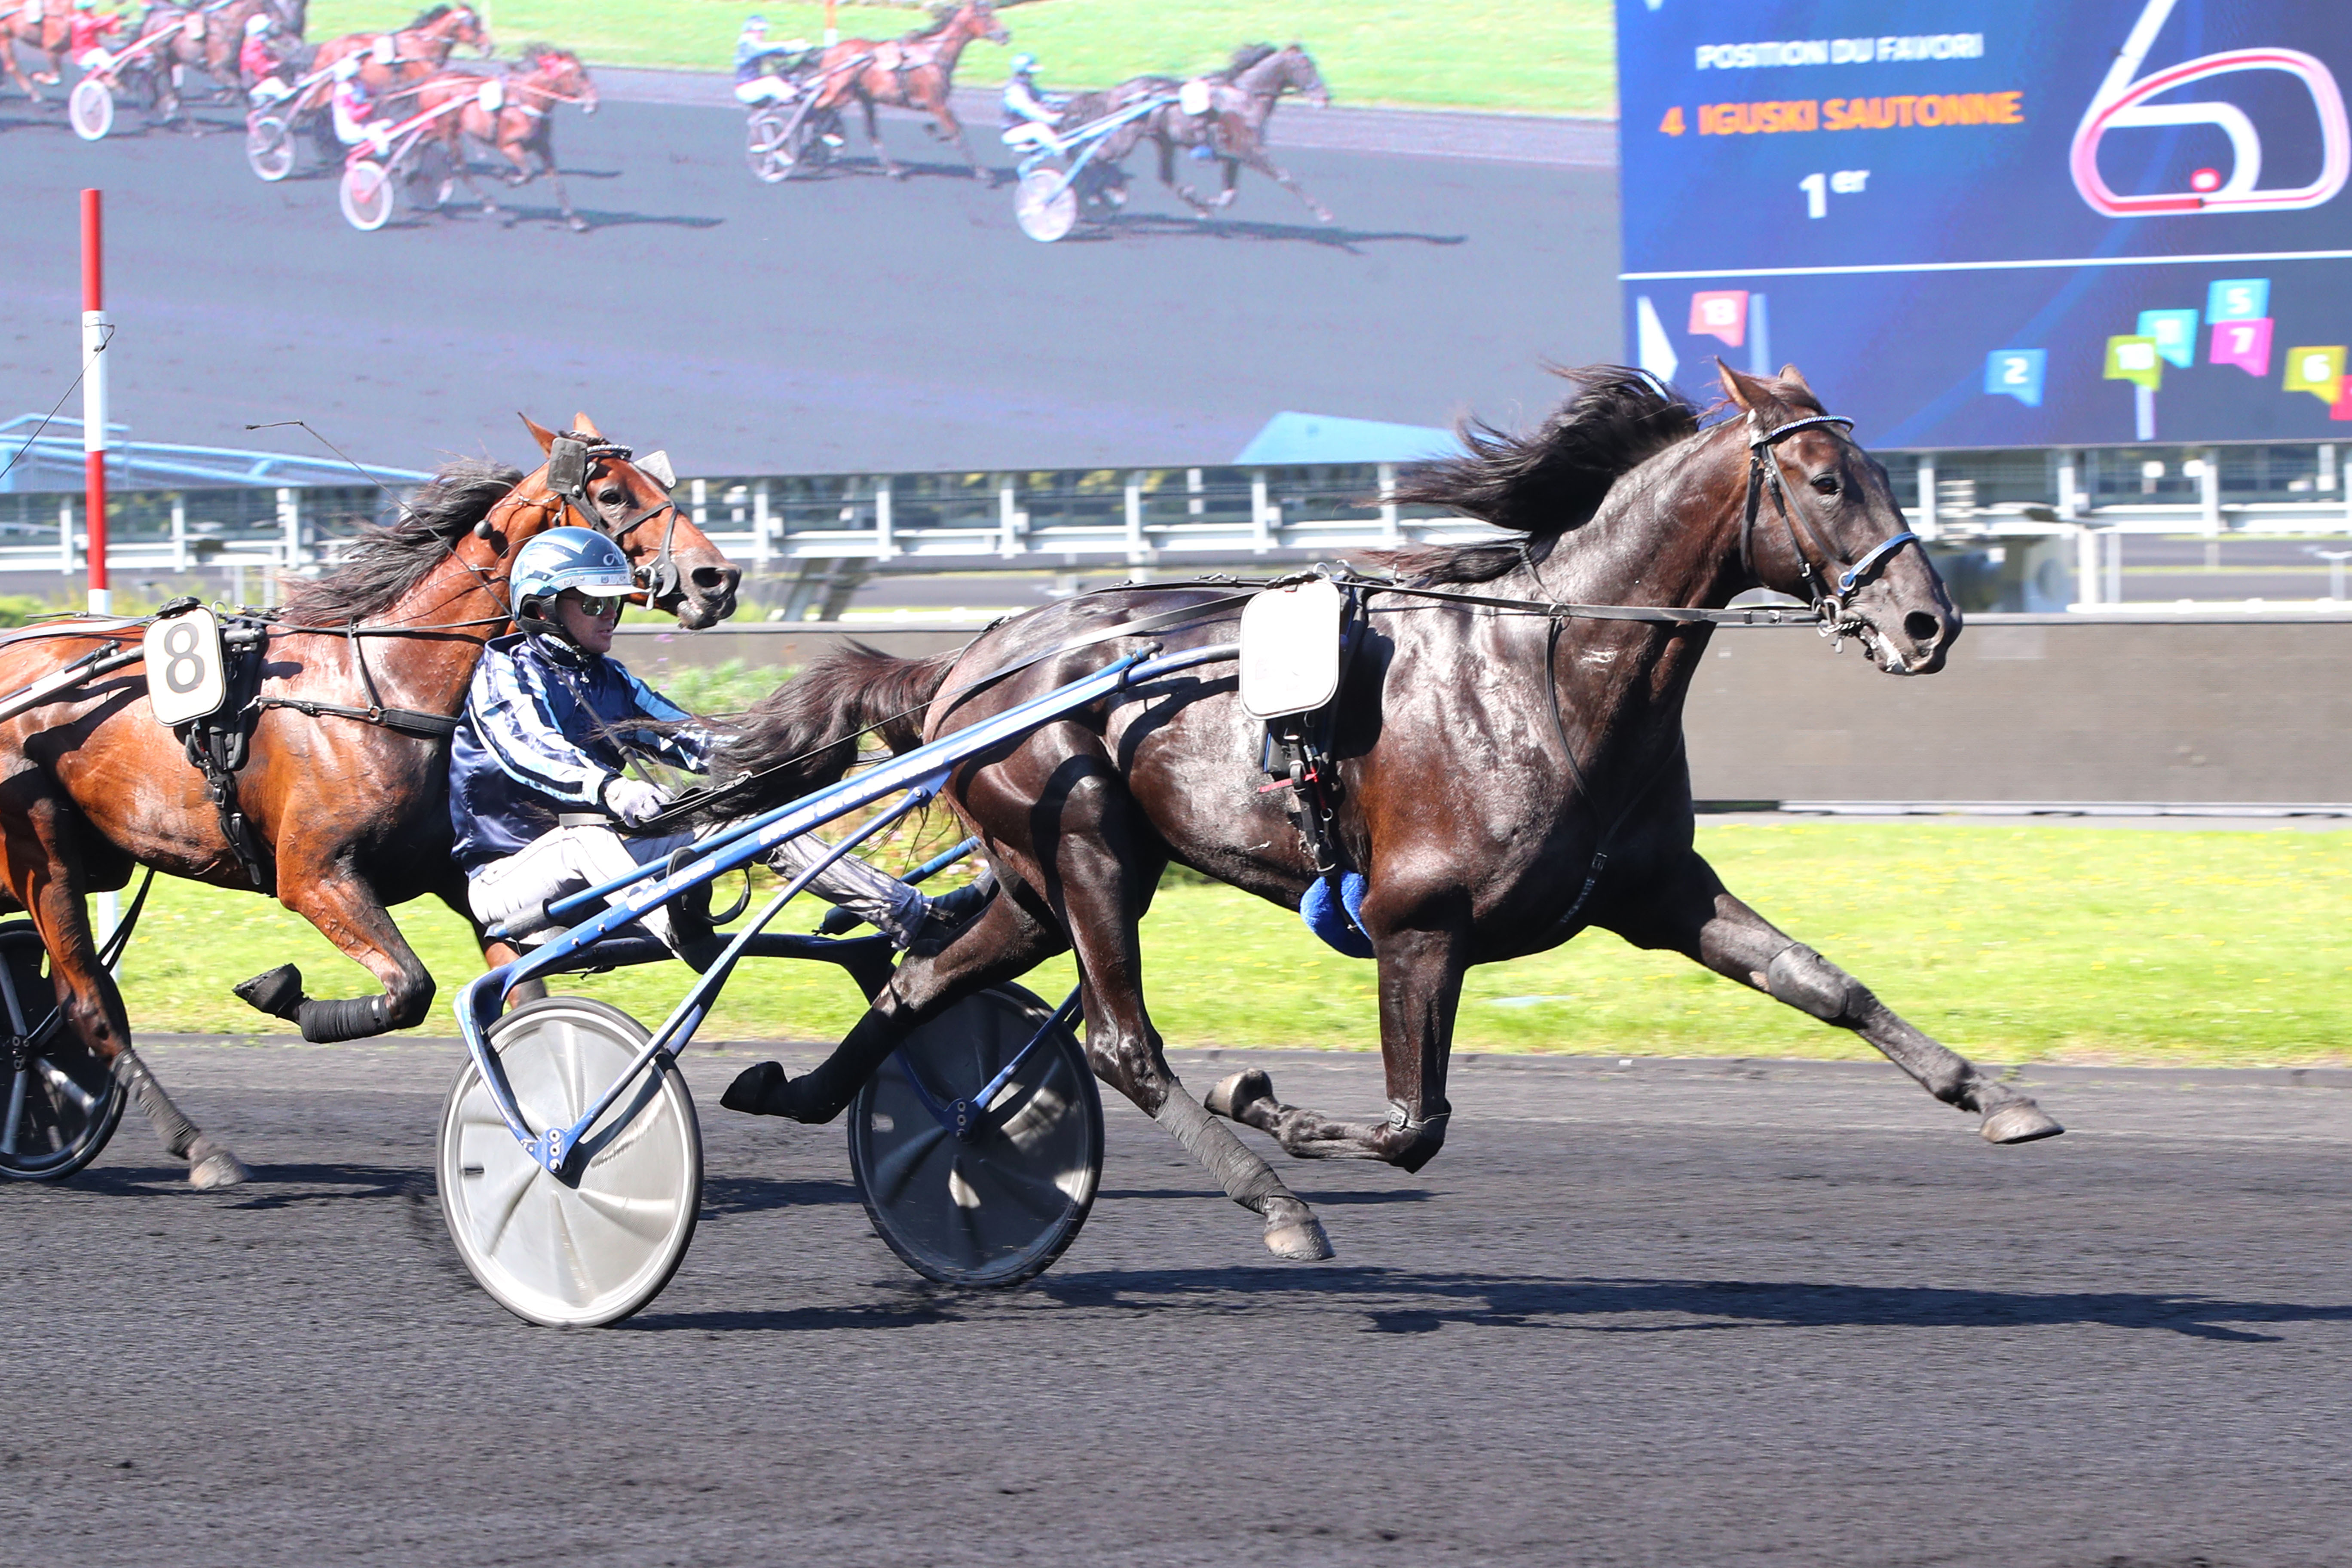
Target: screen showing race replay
1986,223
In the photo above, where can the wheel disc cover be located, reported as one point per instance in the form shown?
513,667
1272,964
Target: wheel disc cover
589,1251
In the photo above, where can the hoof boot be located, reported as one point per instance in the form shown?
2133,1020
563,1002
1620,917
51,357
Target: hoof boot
761,1090
212,1167
2020,1121
1235,1095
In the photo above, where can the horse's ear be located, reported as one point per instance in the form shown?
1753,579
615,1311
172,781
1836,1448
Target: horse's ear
1744,390
540,433
1793,379
584,426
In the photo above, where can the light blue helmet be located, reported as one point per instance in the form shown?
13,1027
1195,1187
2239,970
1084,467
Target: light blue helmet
1023,64
570,558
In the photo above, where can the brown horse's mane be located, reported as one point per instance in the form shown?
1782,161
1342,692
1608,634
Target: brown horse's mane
426,17
1545,483
1245,56
389,561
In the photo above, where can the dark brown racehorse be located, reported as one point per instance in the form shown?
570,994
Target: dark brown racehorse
1233,128
522,130
1486,758
916,71
347,814
46,33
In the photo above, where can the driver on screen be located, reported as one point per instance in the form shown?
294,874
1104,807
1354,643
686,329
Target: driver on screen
759,66
1029,115
354,106
86,35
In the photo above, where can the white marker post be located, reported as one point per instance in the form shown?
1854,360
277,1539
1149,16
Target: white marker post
93,446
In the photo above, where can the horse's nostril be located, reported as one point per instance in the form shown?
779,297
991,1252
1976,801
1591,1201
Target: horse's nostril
1921,627
716,579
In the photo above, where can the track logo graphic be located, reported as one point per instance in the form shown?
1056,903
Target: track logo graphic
2122,103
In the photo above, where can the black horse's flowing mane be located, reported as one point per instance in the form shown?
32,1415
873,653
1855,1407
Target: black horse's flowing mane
426,17
389,561
1547,482
1248,56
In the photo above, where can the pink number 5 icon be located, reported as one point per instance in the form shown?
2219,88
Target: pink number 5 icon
2122,102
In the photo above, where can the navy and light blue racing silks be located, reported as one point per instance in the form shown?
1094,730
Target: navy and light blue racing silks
546,728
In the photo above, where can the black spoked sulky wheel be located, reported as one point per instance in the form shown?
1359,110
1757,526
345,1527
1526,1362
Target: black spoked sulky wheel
999,1204
62,1103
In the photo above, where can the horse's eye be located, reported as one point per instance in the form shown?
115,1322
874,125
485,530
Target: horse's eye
1826,483
611,498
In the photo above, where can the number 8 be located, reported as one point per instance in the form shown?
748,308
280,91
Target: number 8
183,643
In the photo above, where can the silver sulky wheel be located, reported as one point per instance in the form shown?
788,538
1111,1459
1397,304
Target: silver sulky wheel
999,1206
90,109
1044,206
61,1103
596,1244
764,145
366,195
269,148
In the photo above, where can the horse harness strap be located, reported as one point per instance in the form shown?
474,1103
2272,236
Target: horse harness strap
219,743
1297,755
406,721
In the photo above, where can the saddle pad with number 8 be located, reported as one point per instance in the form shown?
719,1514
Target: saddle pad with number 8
186,678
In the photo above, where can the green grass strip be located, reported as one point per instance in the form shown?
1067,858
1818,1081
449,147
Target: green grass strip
2009,944
1533,56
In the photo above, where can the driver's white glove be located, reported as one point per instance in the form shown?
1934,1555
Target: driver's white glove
634,801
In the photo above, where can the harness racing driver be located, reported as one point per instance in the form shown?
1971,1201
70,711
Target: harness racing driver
1029,115
539,787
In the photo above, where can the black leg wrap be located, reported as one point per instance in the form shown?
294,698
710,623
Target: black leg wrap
1247,1180
175,1130
1811,983
278,993
354,1019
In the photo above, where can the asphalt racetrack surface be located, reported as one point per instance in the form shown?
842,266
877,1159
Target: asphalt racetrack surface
843,323
1672,1314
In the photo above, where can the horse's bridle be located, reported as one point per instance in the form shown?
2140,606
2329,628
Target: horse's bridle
569,457
1826,590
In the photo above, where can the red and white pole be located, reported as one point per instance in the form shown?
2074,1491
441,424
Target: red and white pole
93,399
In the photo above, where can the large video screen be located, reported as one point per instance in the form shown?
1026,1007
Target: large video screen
1980,223
1381,219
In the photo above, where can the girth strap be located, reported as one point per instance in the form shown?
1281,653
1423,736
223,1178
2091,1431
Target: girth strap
407,720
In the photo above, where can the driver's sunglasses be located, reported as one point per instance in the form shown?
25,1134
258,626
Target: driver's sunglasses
601,607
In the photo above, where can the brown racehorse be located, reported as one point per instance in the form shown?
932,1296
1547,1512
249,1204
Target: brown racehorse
522,128
913,72
1500,776
347,814
1233,129
419,51
45,34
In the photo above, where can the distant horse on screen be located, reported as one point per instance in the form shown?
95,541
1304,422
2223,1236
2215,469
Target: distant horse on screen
1231,129
916,71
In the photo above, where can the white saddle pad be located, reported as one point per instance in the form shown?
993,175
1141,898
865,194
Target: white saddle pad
1290,649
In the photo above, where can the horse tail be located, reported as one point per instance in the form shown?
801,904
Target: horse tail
805,734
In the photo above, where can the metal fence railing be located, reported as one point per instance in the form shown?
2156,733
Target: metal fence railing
2014,529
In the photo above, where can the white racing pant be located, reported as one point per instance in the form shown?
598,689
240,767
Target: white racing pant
515,892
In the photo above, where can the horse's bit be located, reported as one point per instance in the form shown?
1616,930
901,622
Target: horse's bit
1826,593
568,461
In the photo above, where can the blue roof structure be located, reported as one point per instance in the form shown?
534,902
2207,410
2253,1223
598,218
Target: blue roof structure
1290,438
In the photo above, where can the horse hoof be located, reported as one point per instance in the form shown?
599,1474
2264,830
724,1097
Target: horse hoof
2020,1121
1299,1237
1233,1095
212,1167
759,1090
